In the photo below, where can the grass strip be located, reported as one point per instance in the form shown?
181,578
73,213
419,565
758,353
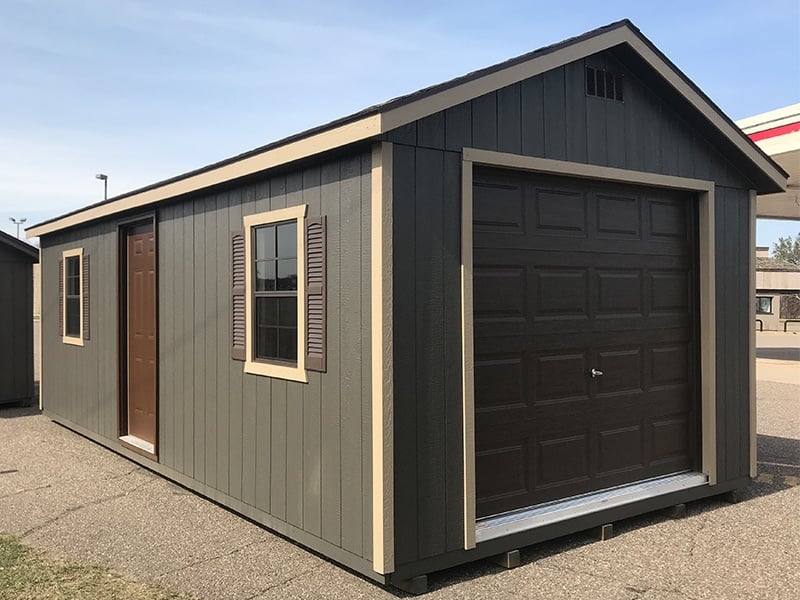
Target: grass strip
29,574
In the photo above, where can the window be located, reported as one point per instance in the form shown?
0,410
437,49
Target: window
73,293
274,293
72,297
604,84
763,305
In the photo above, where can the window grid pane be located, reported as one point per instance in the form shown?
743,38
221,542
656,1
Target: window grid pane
275,292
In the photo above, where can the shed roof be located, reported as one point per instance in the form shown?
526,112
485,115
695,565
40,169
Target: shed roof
765,263
24,248
376,120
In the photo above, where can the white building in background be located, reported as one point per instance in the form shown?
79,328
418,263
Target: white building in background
777,291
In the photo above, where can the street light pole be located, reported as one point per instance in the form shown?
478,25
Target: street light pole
17,222
104,178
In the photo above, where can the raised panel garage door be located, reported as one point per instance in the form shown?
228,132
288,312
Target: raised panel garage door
572,276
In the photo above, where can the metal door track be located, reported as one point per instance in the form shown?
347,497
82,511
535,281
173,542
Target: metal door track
523,519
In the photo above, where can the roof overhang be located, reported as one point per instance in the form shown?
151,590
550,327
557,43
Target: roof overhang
22,247
375,121
777,133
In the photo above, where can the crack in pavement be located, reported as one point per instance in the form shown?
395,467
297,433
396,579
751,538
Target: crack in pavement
637,589
281,583
125,474
73,509
18,492
210,559
693,542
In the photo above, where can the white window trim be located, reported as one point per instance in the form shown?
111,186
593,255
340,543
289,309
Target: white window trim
292,373
70,339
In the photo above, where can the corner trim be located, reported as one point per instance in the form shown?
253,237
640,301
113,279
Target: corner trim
467,355
705,192
382,360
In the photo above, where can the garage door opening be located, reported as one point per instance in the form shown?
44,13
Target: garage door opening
586,336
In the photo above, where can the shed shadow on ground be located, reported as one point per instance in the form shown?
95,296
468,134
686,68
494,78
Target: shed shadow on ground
778,470
15,409
788,353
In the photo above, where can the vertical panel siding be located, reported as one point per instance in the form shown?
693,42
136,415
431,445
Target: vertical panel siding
166,409
16,325
406,489
299,452
350,343
547,116
80,383
236,376
221,350
330,190
312,398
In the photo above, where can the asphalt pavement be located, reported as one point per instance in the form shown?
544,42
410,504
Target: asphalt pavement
73,498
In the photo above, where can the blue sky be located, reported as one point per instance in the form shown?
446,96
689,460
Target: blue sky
144,90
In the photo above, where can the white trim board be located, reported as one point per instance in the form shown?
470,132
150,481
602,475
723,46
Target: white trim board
72,340
408,109
705,192
382,360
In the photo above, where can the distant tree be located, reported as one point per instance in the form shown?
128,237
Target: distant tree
788,249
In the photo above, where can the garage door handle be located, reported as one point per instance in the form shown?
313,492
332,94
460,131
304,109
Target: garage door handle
596,373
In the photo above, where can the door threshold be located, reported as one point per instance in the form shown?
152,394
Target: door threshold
138,443
489,528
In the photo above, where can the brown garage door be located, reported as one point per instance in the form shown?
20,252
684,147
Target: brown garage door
570,276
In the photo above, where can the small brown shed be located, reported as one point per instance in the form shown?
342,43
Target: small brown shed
493,312
16,319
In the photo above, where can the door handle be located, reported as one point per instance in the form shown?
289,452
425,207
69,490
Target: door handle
596,373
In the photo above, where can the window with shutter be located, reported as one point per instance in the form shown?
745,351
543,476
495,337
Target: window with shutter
274,297
73,283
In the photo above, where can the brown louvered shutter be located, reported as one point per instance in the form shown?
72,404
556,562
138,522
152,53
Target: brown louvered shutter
315,294
238,321
61,298
85,296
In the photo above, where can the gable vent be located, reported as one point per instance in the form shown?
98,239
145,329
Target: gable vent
604,84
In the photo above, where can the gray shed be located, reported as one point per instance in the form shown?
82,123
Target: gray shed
16,319
493,312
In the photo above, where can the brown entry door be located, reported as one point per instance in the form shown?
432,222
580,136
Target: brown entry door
569,277
141,333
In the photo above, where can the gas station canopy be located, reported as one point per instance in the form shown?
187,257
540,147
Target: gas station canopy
777,133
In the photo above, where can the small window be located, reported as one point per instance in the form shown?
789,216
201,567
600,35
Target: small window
604,84
275,294
73,284
275,291
72,300
763,305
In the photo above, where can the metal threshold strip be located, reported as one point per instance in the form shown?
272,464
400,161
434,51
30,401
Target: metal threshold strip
515,521
139,443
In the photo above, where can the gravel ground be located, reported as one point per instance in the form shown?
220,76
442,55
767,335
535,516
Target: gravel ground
73,498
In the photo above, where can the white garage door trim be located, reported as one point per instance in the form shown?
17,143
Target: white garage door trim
705,192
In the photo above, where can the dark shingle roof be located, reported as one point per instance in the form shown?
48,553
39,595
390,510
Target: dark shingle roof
23,247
